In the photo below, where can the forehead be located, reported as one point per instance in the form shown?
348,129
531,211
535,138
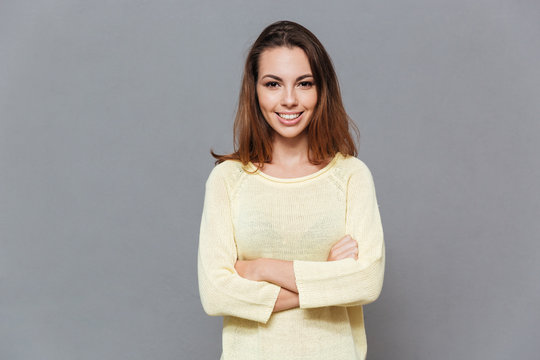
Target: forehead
284,62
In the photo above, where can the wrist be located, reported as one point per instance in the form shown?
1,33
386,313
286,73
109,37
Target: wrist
260,267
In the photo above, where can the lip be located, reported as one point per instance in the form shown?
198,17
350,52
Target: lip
292,122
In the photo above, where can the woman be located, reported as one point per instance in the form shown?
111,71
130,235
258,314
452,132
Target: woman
291,242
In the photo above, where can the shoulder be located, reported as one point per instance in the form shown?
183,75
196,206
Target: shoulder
227,172
357,178
351,166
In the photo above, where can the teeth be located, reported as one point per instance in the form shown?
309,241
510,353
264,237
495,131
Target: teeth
289,116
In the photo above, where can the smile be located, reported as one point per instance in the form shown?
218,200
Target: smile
290,119
289,116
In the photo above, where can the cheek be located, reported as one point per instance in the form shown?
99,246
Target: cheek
310,100
265,101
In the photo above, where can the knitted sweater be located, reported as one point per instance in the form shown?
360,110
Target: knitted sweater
249,216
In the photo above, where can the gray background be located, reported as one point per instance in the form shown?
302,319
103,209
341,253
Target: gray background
108,110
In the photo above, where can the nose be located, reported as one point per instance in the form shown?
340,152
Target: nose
289,98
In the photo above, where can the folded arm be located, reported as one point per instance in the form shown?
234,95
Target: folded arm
348,281
281,272
222,290
286,300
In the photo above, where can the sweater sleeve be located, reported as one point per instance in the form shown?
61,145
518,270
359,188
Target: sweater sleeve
222,290
349,282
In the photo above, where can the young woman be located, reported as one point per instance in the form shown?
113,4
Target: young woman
291,242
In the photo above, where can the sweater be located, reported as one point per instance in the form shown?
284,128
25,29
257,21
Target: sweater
248,214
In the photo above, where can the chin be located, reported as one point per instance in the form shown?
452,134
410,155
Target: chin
291,134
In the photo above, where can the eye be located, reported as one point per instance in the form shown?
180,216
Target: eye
271,84
306,84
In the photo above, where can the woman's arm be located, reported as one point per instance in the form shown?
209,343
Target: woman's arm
350,281
222,290
281,272
354,280
286,300
278,271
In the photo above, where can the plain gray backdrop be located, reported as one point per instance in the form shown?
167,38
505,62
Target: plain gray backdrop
108,110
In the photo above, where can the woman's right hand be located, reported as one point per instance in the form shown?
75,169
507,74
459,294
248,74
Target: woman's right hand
347,247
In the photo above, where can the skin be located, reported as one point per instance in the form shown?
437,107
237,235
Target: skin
283,86
286,85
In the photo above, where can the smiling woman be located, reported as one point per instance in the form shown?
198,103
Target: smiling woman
291,242
286,100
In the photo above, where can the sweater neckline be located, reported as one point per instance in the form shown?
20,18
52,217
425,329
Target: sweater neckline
317,173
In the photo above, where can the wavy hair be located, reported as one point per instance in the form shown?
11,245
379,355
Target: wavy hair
329,128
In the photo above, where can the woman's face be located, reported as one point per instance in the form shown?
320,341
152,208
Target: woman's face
286,90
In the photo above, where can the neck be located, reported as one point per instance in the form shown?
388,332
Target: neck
290,151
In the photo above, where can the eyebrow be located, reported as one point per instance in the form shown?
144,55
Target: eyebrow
301,77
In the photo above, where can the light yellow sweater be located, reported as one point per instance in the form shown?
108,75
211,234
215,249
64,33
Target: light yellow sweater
248,216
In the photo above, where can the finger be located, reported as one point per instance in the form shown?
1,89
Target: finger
345,247
344,253
351,254
344,244
343,240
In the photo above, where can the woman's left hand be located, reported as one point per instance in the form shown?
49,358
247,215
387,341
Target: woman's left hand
275,271
248,269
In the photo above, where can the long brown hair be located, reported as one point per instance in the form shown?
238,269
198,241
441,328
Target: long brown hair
329,127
